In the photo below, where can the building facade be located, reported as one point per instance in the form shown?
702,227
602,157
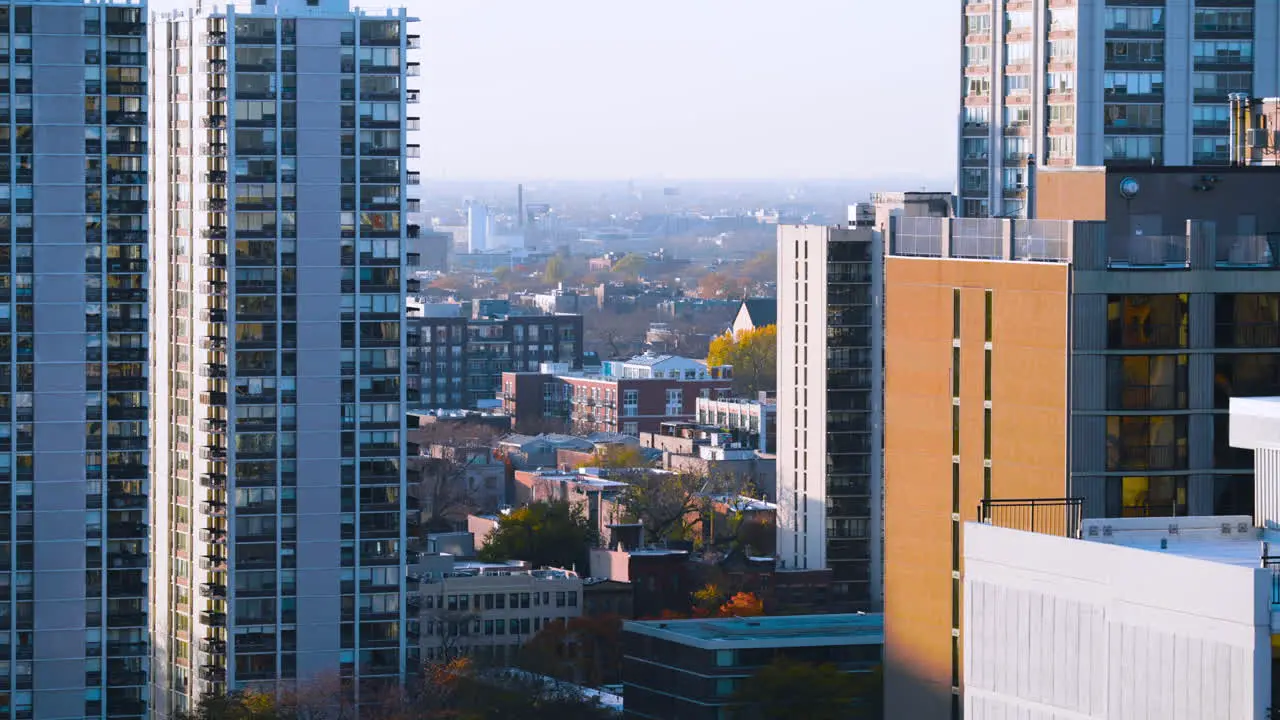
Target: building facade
628,397
1090,356
489,610
1187,602
73,343
1089,82
829,402
752,423
691,669
278,482
459,361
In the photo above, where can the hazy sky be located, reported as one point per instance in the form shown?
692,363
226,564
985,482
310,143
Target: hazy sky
682,89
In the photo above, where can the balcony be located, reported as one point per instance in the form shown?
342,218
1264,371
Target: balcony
214,508
215,122
1148,251
213,453
214,232
1050,516
213,563
213,536
213,673
1248,252
217,288
214,481
214,260
212,370
213,425
213,646
213,342
122,530
212,315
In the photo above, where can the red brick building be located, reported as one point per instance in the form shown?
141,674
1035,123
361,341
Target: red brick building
629,397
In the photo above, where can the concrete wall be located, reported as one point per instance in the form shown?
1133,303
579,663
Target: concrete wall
59,436
1071,194
319,346
1062,628
802,402
1028,449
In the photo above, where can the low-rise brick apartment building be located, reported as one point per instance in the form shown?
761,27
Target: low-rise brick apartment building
626,396
458,352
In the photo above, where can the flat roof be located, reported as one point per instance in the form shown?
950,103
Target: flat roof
1224,539
767,632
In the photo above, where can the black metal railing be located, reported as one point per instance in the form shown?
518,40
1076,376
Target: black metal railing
1050,516
1272,563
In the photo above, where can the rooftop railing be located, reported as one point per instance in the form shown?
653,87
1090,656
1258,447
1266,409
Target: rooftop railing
1049,516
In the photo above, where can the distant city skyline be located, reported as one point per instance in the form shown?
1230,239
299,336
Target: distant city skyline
718,89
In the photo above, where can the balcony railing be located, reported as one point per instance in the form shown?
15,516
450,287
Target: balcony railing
1248,251
1148,251
1049,516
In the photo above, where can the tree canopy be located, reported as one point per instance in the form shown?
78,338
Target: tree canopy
753,353
552,534
787,689
456,690
630,265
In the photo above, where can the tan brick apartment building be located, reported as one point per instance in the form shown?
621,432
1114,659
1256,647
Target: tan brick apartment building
629,397
1085,354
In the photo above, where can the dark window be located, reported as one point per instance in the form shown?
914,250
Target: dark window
1247,320
1226,457
1158,496
1146,321
1147,382
1244,375
1147,442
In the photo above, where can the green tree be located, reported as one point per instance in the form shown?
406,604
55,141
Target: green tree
550,534
556,271
787,689
753,353
630,265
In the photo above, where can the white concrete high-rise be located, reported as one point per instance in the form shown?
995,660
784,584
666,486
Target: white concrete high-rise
830,281
479,227
73,352
278,348
1088,82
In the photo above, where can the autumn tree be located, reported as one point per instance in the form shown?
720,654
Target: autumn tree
787,689
551,534
630,266
721,285
762,267
670,505
753,353
742,604
586,650
619,456
452,690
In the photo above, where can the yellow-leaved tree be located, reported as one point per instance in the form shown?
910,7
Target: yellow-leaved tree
753,354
